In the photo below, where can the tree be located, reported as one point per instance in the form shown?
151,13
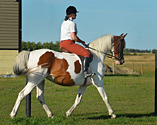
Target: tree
33,46
47,45
24,47
153,51
51,45
28,45
39,45
57,46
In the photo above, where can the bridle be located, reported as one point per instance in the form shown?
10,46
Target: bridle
111,55
121,55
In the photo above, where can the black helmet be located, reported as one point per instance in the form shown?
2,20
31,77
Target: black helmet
71,10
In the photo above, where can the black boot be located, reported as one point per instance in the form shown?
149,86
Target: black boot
86,62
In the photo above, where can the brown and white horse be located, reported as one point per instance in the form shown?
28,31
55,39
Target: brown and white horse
66,69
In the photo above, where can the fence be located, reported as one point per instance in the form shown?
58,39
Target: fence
139,67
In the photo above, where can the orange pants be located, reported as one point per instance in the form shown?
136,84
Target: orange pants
74,48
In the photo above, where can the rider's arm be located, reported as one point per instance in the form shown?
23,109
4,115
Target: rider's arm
76,38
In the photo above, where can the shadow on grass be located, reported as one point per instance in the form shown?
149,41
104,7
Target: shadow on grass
122,75
123,115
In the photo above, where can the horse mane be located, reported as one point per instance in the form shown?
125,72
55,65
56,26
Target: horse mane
102,44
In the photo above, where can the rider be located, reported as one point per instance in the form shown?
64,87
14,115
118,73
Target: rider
69,36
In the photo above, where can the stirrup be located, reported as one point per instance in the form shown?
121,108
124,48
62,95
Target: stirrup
86,75
93,75
85,81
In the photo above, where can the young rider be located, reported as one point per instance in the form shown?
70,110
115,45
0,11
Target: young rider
69,37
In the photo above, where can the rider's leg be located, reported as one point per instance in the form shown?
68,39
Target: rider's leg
86,61
81,51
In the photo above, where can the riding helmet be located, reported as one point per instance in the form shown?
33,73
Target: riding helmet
71,10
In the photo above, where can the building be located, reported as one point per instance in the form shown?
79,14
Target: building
10,33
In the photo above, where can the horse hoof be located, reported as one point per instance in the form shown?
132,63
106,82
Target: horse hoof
113,116
12,116
52,116
67,114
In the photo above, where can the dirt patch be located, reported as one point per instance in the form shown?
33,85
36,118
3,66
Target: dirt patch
109,70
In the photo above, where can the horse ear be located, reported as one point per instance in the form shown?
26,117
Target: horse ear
125,34
122,34
122,37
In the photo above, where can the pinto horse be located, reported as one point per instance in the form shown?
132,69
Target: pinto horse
66,69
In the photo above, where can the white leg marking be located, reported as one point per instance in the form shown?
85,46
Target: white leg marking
27,89
101,90
77,100
40,97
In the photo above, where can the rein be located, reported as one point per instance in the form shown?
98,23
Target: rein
108,55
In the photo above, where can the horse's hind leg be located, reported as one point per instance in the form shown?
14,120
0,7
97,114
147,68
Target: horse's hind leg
33,80
77,100
27,89
40,97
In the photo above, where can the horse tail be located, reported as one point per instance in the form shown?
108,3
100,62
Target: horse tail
20,63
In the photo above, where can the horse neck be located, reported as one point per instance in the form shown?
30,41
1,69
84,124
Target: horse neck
108,46
103,45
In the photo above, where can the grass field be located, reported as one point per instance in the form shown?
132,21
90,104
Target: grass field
131,97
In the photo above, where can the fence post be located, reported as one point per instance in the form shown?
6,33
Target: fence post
142,69
156,81
113,68
28,103
132,66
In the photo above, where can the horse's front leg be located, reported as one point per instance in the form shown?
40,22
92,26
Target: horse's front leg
100,87
77,100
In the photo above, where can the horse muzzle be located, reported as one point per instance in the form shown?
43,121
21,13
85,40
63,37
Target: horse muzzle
120,62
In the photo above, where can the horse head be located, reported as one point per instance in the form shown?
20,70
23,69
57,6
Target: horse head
118,47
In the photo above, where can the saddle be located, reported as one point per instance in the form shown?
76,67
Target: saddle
65,50
81,57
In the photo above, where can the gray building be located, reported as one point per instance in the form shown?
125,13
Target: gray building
10,33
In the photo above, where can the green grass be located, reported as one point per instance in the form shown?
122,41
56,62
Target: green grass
131,97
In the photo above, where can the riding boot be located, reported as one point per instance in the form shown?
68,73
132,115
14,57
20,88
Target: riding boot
86,62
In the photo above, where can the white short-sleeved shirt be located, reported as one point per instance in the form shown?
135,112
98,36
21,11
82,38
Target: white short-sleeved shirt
67,28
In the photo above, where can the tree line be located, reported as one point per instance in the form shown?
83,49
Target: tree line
47,45
137,50
56,46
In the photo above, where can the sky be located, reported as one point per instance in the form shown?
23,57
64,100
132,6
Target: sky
42,19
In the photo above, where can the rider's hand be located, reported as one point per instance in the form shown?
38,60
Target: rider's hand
84,43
